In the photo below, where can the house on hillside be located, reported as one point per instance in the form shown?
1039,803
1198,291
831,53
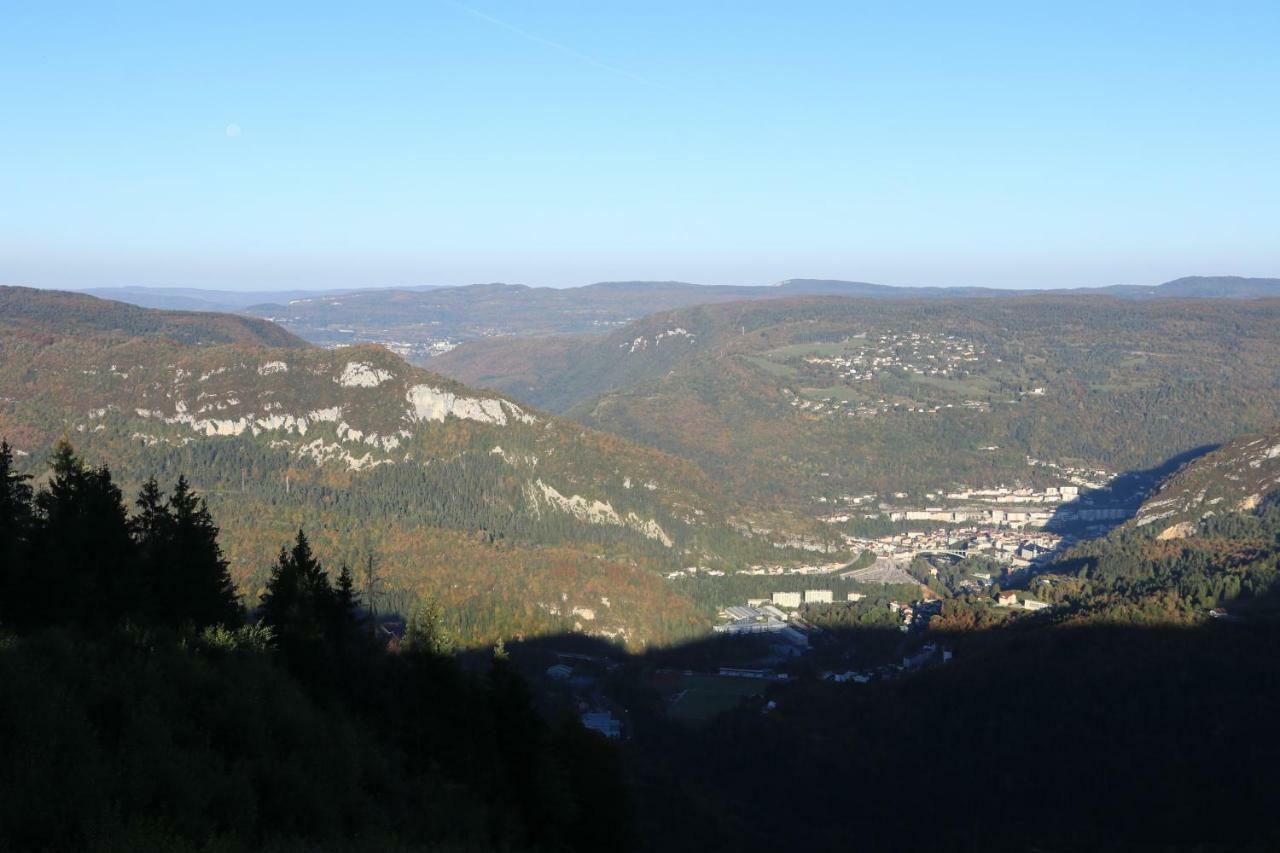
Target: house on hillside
603,722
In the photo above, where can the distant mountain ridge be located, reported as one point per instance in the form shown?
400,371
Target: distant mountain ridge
421,322
1219,287
61,312
1188,287
209,299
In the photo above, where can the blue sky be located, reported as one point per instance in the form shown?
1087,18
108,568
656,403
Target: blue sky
1020,144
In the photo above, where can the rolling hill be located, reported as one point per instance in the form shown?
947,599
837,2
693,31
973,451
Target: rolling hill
829,397
516,520
60,314
205,299
421,322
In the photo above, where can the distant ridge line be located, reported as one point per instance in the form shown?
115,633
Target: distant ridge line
206,299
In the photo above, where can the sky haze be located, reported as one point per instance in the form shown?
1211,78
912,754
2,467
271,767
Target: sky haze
247,145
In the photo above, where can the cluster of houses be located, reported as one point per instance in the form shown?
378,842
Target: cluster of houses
1013,547
1015,518
420,350
758,570
878,406
771,616
580,674
1006,495
1085,478
1001,506
928,654
1004,505
921,354
864,357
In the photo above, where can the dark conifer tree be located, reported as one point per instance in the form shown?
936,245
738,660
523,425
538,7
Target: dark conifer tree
184,576
299,599
346,601
282,593
152,522
152,527
533,786
205,593
83,562
344,618
15,527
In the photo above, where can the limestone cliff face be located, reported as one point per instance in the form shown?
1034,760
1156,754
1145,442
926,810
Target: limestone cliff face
1236,477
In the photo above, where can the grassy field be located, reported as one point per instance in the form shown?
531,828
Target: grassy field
701,697
835,392
771,367
970,387
831,349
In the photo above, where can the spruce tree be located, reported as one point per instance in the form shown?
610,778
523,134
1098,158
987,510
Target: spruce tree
425,633
299,601
184,576
346,601
83,566
282,593
371,581
152,527
15,527
152,522
204,592
344,625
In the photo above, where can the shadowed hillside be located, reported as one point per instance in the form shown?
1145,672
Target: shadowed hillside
135,721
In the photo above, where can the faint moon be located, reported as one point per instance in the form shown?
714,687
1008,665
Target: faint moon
233,130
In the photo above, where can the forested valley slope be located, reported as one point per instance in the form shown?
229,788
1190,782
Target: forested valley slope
828,398
515,520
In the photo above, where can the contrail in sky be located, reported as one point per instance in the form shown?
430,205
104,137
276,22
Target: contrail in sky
554,45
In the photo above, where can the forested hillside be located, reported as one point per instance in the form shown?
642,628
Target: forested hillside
839,396
1204,545
1237,477
423,321
58,314
1064,729
140,719
516,520
140,712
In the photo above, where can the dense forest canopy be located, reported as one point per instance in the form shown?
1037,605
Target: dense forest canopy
515,517
141,711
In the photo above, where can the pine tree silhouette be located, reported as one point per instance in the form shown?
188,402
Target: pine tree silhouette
345,598
298,600
207,593
15,528
83,569
184,576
